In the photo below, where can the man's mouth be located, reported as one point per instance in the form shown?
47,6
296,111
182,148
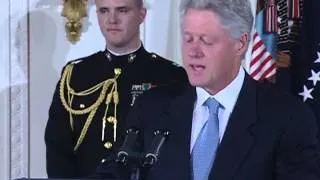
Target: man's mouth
113,30
196,67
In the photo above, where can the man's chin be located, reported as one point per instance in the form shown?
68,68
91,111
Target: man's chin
196,82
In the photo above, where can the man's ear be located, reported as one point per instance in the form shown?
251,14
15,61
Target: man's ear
243,43
143,13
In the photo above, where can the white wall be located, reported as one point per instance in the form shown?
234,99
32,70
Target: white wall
4,80
4,48
162,29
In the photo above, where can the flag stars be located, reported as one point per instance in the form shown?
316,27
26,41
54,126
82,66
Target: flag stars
318,58
306,94
315,77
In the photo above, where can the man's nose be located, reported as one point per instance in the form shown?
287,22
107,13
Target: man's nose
113,18
195,51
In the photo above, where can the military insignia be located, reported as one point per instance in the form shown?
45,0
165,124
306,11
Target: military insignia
131,58
138,89
134,97
146,86
108,55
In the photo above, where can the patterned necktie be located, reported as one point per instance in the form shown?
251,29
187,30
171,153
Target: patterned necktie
204,150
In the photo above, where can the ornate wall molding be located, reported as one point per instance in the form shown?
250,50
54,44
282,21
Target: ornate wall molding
19,67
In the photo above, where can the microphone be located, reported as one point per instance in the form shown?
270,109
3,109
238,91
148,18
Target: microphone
151,156
125,151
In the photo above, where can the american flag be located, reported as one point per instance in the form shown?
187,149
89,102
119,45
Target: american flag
262,64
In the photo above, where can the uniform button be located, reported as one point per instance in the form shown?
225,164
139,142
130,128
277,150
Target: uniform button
154,56
117,71
103,160
108,145
82,106
111,119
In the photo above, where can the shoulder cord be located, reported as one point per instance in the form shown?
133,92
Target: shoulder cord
113,94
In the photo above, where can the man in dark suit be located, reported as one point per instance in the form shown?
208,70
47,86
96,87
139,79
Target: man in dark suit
95,93
225,125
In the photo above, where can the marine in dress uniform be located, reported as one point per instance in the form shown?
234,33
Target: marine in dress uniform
90,105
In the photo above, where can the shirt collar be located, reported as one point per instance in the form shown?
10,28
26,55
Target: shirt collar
125,53
227,97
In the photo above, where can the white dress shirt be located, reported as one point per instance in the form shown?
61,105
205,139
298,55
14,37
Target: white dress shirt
227,98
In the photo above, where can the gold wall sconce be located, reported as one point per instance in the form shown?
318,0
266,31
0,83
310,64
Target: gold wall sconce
74,11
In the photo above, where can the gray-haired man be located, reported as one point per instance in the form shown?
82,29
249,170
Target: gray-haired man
224,125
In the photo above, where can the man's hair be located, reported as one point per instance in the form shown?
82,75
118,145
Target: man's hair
235,15
140,3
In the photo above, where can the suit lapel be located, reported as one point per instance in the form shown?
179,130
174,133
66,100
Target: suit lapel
238,138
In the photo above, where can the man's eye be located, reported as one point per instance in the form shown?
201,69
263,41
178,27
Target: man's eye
206,40
103,10
124,10
187,38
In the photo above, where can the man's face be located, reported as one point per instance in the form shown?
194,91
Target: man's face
211,56
119,21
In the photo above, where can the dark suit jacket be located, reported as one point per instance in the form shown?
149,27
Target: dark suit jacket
270,135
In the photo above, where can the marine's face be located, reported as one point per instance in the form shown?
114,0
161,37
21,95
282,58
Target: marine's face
119,21
210,54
